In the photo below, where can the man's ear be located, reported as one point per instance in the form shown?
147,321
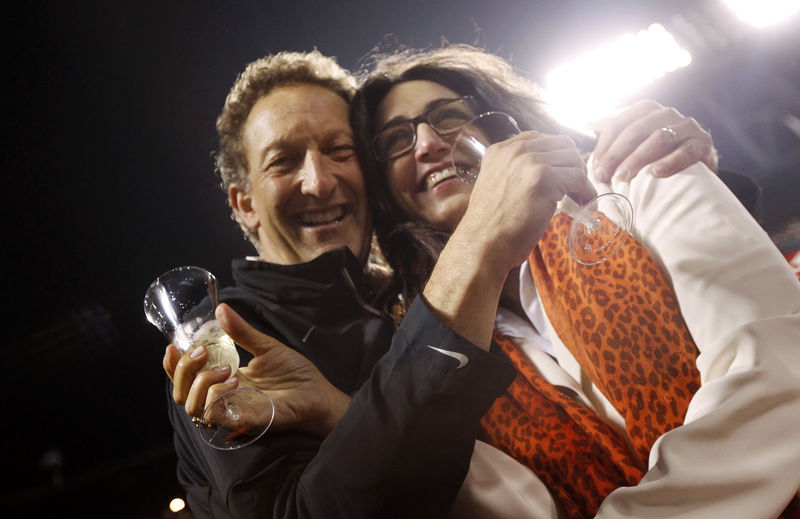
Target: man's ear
242,204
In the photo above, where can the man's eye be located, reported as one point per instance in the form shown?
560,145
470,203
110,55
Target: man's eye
280,162
342,152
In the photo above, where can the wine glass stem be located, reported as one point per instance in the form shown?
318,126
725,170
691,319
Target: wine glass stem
571,208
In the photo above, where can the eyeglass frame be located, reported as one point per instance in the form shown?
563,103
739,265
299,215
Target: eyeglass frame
422,118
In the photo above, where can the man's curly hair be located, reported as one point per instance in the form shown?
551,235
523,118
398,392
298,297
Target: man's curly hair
258,79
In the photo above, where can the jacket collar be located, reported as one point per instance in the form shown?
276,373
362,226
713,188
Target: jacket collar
325,289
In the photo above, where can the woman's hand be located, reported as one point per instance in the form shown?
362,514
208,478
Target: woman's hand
648,133
303,397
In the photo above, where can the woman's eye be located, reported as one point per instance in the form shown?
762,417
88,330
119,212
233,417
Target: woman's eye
396,139
451,118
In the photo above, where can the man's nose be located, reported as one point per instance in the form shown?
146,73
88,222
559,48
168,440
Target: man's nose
430,145
315,178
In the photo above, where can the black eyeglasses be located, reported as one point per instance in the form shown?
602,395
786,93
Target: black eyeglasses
446,117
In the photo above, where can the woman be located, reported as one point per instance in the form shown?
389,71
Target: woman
643,438
645,133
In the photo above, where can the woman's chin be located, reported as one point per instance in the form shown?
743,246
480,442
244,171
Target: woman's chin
448,186
446,215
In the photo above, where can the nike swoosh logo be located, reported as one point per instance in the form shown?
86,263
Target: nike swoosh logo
462,359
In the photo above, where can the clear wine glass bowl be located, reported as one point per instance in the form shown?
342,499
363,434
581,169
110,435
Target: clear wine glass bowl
610,216
237,418
181,304
598,228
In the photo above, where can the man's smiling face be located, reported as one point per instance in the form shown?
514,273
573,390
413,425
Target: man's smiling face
306,190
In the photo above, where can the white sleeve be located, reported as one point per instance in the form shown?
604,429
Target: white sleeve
497,486
738,453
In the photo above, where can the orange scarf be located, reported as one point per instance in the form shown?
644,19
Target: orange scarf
621,321
578,456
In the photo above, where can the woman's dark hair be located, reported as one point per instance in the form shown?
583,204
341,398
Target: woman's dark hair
410,247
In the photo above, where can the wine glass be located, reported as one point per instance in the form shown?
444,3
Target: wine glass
598,228
181,304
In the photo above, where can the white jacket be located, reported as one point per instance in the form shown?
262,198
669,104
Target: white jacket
737,455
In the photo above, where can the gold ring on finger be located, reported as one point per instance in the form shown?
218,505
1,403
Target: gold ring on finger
199,421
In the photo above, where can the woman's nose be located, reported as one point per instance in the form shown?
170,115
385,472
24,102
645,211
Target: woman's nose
430,145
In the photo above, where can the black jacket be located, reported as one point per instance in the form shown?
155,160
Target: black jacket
403,447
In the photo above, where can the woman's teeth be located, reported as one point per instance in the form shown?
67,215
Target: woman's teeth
439,176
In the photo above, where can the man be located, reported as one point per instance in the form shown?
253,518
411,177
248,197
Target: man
287,162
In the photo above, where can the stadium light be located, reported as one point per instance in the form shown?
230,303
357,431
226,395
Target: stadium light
590,86
763,13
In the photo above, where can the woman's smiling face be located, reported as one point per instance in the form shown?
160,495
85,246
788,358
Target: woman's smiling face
423,182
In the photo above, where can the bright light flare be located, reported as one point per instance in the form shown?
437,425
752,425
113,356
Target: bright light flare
591,86
176,505
762,13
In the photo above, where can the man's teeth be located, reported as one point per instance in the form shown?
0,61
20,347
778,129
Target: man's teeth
439,176
322,217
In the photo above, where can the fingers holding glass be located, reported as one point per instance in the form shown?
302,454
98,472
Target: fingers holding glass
181,303
200,392
473,152
171,358
185,371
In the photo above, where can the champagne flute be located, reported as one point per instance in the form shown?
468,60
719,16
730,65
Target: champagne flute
598,228
181,304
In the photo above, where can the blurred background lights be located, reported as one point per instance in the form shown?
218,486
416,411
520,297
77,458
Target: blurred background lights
590,86
177,504
761,13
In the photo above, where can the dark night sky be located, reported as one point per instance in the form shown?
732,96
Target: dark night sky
109,182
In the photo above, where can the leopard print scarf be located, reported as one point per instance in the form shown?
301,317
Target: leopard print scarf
621,321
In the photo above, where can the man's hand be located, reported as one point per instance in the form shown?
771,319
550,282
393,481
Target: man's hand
521,181
303,397
648,133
